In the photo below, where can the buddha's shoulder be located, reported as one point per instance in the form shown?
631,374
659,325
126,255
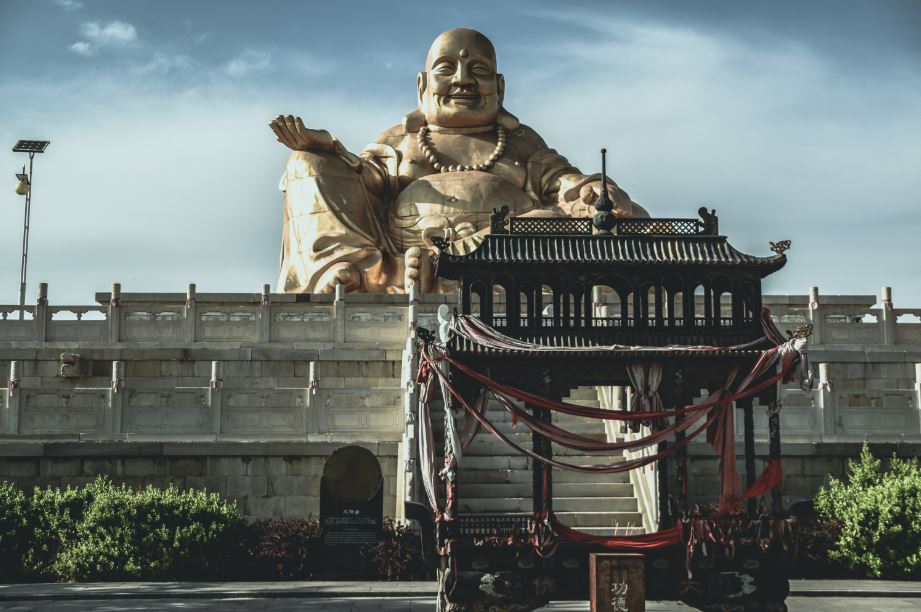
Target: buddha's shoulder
526,140
393,136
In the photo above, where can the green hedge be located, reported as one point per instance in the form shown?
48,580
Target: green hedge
879,511
105,531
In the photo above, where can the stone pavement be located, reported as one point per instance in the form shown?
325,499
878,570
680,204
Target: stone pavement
808,595
411,604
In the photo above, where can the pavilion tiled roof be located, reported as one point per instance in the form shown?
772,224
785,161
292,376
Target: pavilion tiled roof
599,249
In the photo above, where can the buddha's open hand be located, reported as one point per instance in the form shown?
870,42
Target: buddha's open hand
292,133
591,192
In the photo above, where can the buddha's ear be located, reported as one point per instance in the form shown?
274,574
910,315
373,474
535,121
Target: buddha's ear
421,84
500,87
414,121
507,119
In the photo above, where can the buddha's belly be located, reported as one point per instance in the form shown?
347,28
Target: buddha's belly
452,205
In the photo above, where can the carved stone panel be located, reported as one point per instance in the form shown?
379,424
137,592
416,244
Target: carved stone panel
364,411
254,411
302,325
74,411
172,411
377,324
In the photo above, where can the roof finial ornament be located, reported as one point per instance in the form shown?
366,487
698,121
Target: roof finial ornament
603,220
498,220
780,247
710,221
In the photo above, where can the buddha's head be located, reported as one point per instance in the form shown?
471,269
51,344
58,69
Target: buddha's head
460,86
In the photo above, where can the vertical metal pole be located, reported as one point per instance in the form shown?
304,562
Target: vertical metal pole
25,243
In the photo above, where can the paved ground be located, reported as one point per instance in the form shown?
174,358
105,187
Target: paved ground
411,604
808,596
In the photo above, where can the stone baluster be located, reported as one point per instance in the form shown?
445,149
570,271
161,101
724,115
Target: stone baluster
816,317
265,314
12,402
887,317
215,395
412,314
408,447
917,397
40,319
339,314
114,314
191,313
116,403
826,417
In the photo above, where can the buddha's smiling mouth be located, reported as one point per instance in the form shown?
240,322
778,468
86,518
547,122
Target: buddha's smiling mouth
463,99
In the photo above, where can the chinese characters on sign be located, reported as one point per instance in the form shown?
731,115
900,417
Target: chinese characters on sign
617,582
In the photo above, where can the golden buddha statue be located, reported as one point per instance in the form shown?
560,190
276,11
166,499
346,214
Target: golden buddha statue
367,222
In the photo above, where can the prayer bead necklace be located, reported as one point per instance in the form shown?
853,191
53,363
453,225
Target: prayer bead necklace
428,150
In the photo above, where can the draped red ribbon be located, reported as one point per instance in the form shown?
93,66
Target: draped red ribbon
624,466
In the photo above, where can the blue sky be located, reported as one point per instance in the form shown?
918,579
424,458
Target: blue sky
794,120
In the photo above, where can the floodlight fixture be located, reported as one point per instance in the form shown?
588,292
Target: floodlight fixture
22,183
31,146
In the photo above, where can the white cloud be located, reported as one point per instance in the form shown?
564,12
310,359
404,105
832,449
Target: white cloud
69,5
82,48
163,63
114,33
251,60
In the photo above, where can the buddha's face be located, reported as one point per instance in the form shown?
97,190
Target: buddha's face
460,86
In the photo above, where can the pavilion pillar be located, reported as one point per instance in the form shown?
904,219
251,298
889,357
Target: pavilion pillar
682,399
747,406
541,474
774,452
665,518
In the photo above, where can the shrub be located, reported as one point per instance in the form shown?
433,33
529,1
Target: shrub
283,548
53,517
880,515
151,533
104,531
14,537
398,556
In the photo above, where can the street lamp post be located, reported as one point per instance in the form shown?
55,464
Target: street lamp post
24,188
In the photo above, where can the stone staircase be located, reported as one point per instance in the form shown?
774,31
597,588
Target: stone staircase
493,479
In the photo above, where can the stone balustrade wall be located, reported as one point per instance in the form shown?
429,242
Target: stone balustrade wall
198,382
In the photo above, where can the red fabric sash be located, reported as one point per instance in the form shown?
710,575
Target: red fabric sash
566,408
640,542
571,440
614,468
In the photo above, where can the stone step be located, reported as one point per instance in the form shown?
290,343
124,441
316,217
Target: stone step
589,393
597,505
471,463
608,531
493,447
609,520
472,476
504,416
518,462
581,428
564,489
588,403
